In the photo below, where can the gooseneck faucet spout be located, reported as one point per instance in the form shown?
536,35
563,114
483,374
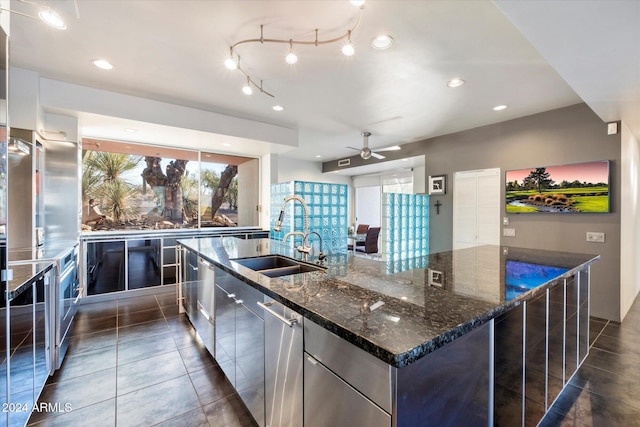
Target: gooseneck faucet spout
304,208
302,249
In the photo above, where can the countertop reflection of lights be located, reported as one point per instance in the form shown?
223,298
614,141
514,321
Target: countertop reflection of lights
455,82
278,108
130,130
102,63
381,42
499,107
226,144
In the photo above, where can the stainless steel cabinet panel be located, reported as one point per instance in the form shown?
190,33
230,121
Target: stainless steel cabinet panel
239,336
206,304
331,402
283,353
225,321
370,375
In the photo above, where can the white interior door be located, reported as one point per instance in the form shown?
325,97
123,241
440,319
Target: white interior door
476,208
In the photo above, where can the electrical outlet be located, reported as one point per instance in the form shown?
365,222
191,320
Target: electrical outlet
505,220
594,237
509,232
436,278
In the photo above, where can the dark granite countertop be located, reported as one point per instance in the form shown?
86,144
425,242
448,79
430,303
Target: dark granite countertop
29,263
420,303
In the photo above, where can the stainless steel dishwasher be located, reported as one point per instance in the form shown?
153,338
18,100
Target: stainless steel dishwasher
283,350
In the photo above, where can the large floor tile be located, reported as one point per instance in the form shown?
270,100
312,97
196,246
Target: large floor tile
195,418
142,330
167,299
612,362
211,384
99,309
136,317
76,365
101,414
143,348
229,412
196,357
160,402
79,392
140,303
136,375
623,387
617,345
87,342
90,325
591,409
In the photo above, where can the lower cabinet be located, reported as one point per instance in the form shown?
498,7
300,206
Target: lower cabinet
344,386
239,340
283,349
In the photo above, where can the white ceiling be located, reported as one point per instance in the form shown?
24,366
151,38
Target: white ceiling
173,51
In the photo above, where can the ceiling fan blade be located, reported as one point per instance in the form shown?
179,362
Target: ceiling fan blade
391,148
377,156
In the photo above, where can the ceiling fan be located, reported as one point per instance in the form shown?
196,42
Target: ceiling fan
367,153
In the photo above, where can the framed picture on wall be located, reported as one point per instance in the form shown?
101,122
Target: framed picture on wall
437,184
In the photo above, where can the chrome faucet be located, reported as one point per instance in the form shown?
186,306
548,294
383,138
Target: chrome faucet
304,249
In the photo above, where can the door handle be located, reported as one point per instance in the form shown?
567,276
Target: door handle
288,322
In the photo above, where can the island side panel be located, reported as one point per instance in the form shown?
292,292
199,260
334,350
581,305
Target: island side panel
450,386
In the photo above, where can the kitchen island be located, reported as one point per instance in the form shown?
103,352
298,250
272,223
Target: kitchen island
463,342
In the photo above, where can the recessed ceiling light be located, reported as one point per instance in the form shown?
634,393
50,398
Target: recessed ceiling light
130,130
383,41
499,107
318,156
455,82
102,63
405,160
226,144
52,18
357,3
278,108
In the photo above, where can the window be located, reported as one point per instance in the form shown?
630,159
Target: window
136,186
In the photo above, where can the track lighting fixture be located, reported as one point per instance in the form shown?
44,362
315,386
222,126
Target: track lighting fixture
247,88
347,49
233,61
45,14
291,58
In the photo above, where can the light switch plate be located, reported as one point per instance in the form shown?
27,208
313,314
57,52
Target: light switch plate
612,128
505,220
509,232
595,237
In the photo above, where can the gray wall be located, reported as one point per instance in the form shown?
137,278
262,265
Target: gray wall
568,135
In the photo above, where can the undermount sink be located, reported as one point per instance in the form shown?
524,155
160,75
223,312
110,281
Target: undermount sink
277,265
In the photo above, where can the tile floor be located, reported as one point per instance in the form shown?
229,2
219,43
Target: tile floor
137,362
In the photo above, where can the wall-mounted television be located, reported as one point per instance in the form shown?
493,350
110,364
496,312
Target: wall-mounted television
572,188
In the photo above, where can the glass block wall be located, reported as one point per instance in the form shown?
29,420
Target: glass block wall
327,205
405,226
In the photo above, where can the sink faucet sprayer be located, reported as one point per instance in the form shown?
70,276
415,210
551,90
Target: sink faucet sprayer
304,249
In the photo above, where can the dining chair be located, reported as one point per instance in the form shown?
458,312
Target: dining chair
370,242
362,228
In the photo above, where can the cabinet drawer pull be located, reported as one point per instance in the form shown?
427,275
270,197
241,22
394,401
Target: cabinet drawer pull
288,322
239,301
231,295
